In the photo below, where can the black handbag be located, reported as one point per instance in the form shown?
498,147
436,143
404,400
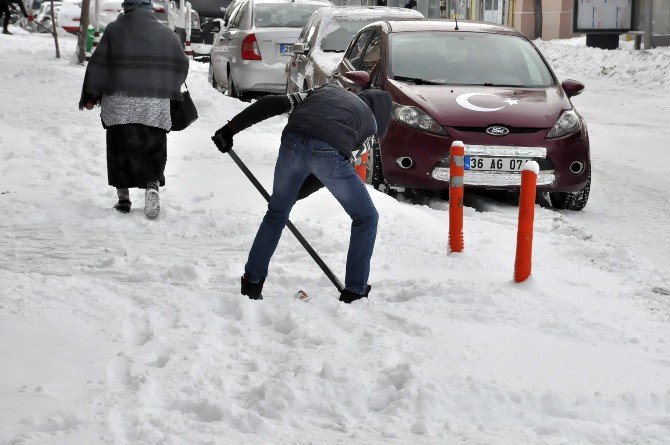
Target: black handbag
183,113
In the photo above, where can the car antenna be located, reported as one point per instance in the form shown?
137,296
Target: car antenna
458,12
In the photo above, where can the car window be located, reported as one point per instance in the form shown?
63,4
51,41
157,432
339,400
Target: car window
311,33
338,32
232,8
283,15
372,53
467,58
355,54
237,17
305,29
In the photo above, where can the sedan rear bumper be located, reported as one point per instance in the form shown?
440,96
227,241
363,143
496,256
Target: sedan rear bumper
258,76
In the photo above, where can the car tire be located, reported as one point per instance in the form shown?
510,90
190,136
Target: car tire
373,173
215,84
571,200
231,91
234,92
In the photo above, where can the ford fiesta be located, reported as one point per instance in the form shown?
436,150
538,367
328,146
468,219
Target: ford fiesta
486,85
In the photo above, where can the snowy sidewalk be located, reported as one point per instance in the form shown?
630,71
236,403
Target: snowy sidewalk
116,329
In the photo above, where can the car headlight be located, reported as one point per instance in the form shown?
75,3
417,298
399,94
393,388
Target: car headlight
416,118
567,123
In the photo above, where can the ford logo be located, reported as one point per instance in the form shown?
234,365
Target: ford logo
497,130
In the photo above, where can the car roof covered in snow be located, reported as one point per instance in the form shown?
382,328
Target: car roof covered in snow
367,12
301,2
450,25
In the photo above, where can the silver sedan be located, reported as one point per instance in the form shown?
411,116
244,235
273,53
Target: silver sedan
249,55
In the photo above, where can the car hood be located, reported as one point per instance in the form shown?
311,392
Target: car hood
473,106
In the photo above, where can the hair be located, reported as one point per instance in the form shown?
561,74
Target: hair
130,5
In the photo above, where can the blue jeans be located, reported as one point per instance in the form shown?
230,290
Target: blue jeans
298,157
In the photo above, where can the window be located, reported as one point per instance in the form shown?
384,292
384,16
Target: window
237,18
372,53
356,51
339,32
302,38
280,15
466,58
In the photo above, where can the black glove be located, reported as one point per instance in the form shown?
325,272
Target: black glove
223,138
311,185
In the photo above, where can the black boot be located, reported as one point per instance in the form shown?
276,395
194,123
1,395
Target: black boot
123,206
348,296
252,290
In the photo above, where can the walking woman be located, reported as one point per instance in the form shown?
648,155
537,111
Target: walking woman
138,67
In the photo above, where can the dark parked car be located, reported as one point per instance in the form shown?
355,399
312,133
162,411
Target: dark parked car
484,84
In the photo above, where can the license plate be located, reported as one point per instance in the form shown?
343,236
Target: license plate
285,49
486,163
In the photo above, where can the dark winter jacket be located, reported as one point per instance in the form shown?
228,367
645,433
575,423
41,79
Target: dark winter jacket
333,115
329,113
138,57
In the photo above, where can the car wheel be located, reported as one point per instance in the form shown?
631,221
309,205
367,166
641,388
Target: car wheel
232,91
373,173
215,84
571,200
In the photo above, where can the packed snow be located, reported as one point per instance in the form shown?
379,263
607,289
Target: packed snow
117,329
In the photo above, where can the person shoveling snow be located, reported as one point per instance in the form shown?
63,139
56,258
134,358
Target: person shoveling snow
324,126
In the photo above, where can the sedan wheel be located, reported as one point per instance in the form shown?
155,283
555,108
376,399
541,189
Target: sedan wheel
572,200
232,91
374,174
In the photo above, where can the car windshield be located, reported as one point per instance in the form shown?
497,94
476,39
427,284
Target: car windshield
280,15
466,58
339,32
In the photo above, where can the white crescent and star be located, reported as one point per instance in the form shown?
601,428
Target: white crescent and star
464,101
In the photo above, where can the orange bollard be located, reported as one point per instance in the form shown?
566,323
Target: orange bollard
456,170
524,237
361,164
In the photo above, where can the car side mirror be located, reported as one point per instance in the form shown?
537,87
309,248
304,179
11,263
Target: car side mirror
572,87
211,27
360,78
298,48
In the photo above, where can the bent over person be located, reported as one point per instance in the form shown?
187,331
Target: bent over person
138,67
323,128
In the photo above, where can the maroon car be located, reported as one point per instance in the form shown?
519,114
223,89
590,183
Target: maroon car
483,84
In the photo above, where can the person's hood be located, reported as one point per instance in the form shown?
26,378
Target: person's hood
379,102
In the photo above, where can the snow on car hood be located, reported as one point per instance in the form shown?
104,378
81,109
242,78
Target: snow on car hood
476,106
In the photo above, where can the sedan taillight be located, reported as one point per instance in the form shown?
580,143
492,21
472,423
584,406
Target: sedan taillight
250,50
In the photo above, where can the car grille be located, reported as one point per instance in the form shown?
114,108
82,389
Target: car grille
512,130
499,179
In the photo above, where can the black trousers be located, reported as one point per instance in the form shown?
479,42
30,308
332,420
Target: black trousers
136,155
4,9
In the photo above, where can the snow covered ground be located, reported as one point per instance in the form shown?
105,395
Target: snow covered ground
116,329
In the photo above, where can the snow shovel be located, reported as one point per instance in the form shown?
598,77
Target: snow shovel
329,273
